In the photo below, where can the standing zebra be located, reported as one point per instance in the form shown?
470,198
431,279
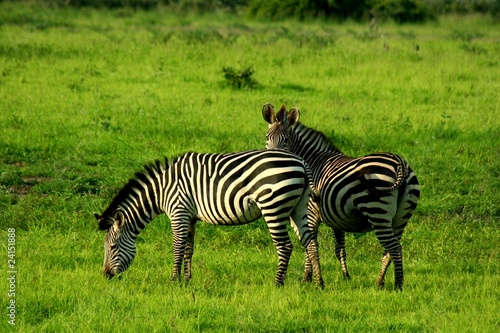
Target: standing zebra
229,189
376,192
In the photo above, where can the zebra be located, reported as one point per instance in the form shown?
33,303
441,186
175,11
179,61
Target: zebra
377,192
221,189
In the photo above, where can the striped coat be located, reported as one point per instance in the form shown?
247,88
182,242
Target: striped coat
377,192
225,189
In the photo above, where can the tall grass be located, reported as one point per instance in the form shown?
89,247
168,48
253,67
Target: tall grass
88,97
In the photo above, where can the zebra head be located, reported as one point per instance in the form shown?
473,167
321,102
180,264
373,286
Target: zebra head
119,243
280,125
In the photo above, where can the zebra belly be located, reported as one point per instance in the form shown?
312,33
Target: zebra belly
350,212
355,223
339,209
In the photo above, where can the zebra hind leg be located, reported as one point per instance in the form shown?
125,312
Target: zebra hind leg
397,258
340,252
284,248
387,259
393,253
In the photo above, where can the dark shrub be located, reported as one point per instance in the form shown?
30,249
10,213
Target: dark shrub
239,79
403,11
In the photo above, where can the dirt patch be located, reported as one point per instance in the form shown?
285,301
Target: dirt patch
21,190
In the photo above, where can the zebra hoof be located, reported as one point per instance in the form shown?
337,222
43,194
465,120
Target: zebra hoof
320,284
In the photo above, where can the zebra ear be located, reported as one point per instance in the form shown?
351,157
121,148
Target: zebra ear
101,221
293,116
119,220
281,115
268,113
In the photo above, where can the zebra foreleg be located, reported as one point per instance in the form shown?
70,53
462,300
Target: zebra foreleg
340,252
386,261
188,254
312,265
313,221
313,256
308,269
180,231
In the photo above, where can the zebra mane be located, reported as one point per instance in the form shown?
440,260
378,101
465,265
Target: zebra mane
316,136
150,170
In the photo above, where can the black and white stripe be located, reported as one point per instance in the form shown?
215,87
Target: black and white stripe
228,189
376,192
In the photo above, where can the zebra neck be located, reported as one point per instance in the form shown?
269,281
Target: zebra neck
308,143
140,211
145,201
313,146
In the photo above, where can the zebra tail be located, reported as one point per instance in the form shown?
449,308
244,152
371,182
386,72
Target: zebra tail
314,195
401,174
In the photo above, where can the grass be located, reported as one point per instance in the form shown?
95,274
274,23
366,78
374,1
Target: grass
88,97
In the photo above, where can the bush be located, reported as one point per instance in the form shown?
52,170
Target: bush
180,5
495,10
201,6
239,79
139,4
278,10
403,11
301,9
400,11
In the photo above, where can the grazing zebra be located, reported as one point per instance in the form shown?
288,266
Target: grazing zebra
228,189
376,192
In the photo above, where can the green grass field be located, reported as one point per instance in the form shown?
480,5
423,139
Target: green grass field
88,97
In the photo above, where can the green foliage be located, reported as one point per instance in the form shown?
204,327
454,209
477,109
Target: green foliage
193,6
465,6
403,11
279,10
399,11
88,97
239,79
204,6
142,4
